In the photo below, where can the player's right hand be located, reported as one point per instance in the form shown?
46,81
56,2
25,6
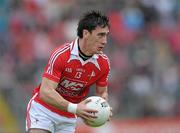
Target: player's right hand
84,112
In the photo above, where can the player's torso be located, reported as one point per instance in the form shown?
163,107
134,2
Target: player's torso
77,77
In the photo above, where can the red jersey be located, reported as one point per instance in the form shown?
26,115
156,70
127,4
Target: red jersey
73,75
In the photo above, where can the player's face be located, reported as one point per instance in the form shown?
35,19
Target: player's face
97,39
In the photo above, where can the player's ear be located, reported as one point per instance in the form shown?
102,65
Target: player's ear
85,33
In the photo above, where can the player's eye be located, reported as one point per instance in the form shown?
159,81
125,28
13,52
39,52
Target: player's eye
101,34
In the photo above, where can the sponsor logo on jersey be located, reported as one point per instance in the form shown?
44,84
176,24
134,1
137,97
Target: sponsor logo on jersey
71,87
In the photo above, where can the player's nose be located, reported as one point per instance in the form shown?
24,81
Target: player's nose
104,40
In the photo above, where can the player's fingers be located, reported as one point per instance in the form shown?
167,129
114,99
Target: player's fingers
87,121
90,114
91,110
111,112
87,101
111,109
86,117
109,119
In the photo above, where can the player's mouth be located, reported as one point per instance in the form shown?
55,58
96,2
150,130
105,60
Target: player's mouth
100,48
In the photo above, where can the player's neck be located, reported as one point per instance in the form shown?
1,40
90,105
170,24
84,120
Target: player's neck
82,55
84,48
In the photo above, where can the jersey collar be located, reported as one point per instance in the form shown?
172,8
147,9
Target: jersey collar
74,49
75,55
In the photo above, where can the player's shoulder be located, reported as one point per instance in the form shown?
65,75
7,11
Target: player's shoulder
103,56
62,48
60,51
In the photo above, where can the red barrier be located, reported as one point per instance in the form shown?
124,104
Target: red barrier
148,125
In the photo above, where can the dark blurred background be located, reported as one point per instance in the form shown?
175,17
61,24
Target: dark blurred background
143,47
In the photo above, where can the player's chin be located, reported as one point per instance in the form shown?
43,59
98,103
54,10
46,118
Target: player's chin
99,52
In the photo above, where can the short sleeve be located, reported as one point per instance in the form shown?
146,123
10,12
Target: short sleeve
103,81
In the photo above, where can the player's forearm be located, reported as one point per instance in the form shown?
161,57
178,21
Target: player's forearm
102,92
103,95
51,97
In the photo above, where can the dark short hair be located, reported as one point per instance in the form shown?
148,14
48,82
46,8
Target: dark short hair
90,21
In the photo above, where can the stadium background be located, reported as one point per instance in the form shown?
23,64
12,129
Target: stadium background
144,50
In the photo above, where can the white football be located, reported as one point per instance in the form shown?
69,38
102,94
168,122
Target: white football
103,108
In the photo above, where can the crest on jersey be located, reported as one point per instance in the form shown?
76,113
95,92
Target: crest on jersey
93,74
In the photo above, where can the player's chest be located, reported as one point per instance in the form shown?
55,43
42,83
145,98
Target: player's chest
76,71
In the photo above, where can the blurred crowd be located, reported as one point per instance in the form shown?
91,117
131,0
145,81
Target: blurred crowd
143,47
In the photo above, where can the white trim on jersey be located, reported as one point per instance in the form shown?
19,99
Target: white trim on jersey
54,57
